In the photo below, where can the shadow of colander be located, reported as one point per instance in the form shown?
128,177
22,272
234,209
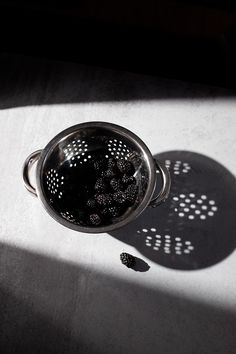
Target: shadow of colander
195,227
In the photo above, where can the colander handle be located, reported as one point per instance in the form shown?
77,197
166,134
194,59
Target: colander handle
31,159
166,183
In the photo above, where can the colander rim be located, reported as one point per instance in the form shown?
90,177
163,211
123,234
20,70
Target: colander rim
64,134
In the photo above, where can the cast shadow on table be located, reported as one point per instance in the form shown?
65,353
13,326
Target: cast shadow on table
26,81
195,227
49,306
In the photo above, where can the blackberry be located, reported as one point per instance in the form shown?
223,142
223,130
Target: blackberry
114,211
127,259
95,219
100,185
99,164
111,163
131,193
128,179
116,184
91,203
104,199
125,167
110,173
119,197
105,212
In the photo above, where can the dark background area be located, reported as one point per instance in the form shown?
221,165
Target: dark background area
187,40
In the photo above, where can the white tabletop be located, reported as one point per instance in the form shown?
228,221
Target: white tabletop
65,291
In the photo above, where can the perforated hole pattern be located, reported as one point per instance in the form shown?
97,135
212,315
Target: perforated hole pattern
118,149
77,152
54,182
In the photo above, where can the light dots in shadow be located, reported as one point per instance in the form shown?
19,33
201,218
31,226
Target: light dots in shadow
201,207
167,244
177,167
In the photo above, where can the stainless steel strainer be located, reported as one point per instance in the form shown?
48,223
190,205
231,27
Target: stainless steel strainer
64,172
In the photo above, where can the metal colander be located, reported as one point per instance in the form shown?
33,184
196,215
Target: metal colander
64,174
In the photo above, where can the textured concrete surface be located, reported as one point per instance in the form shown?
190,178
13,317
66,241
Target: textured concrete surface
66,292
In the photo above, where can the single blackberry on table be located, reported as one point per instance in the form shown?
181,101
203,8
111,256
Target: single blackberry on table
126,179
127,259
115,211
111,163
125,167
91,203
100,185
131,193
95,219
119,197
116,184
104,199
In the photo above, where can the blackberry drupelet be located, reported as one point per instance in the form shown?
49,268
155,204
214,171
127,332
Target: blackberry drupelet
127,259
125,167
100,185
116,184
104,199
95,219
126,179
119,197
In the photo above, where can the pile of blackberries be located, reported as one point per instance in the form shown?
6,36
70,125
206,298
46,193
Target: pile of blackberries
115,189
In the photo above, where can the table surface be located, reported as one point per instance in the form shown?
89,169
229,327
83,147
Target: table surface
67,292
